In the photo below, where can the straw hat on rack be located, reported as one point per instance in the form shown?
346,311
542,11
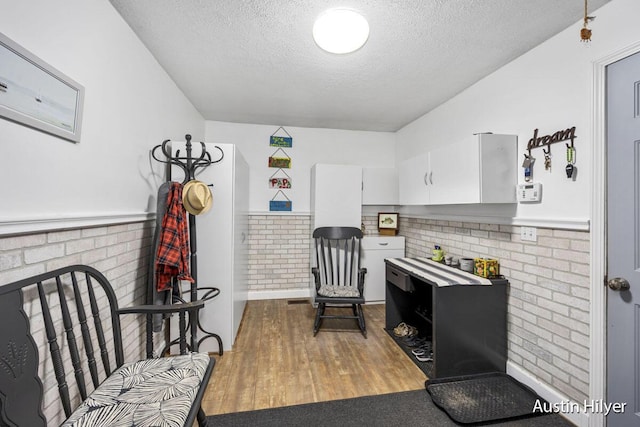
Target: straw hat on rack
196,197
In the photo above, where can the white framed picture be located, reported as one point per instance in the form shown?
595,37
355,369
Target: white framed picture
35,94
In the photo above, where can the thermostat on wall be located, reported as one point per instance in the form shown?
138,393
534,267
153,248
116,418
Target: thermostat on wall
531,192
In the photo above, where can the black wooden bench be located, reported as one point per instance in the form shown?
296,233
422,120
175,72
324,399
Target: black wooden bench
74,312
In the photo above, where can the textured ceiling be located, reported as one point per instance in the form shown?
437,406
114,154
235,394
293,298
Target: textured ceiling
255,61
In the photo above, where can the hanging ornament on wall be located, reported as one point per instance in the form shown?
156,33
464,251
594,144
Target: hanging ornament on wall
585,32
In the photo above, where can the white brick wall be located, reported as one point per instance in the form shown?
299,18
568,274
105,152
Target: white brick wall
279,247
548,309
120,252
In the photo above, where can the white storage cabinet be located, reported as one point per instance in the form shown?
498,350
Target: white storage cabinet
379,186
481,169
222,243
374,251
336,196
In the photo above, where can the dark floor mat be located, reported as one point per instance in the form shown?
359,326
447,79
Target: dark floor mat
483,397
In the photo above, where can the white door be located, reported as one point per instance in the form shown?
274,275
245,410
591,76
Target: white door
413,180
456,173
623,240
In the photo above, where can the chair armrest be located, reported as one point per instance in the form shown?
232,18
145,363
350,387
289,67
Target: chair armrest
361,273
162,309
182,308
316,276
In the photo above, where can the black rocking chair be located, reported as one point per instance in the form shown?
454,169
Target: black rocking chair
339,279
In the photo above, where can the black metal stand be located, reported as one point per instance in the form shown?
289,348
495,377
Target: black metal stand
189,166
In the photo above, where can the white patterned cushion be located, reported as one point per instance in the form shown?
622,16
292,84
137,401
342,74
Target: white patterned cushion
338,291
151,392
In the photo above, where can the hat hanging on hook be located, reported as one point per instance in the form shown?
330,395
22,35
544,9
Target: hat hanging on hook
196,197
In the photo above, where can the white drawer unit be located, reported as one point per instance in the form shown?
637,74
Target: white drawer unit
374,251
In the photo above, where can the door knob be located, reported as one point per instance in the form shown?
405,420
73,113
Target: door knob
618,284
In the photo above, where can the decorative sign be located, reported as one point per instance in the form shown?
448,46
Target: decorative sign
280,205
559,136
280,162
547,140
281,183
281,141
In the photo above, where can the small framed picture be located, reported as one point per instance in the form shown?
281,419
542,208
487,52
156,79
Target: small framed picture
388,223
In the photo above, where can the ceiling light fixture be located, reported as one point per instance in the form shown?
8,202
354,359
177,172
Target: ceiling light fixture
340,31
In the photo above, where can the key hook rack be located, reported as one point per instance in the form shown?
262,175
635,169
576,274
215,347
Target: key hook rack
188,163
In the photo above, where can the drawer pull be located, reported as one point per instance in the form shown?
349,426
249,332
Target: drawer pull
383,243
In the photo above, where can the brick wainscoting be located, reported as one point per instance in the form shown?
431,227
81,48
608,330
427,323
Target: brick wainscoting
279,248
120,252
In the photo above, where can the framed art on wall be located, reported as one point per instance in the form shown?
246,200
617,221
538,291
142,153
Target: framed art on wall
388,223
35,94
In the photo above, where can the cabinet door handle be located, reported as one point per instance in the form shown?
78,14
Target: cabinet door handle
431,178
426,178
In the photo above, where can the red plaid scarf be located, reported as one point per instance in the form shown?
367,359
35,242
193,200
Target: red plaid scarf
173,251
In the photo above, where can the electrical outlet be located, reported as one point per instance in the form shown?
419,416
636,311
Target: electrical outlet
529,234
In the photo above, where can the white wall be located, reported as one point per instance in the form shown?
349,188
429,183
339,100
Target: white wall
130,105
310,146
549,88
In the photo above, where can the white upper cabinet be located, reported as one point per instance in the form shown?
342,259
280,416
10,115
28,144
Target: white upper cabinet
413,180
481,169
379,186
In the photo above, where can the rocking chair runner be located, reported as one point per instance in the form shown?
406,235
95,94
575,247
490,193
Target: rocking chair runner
339,279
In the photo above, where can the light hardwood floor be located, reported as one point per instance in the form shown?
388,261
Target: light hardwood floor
276,360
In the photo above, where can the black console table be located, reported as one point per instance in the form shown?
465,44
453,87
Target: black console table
464,316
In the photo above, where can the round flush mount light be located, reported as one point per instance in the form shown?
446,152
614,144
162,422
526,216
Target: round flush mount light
340,31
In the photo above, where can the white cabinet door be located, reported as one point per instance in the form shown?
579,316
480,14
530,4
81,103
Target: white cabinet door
455,174
498,168
413,180
336,195
379,186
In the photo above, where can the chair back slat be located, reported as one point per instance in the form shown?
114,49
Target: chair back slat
54,348
353,254
95,313
86,333
71,340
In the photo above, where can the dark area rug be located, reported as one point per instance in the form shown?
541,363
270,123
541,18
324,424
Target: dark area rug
409,408
484,397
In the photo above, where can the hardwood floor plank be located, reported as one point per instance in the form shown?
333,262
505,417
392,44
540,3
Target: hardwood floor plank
276,360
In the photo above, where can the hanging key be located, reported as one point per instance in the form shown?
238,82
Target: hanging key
571,159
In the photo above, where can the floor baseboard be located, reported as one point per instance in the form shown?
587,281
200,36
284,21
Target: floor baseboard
579,418
278,294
